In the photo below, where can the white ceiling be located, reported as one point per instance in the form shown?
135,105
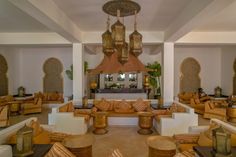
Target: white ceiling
155,15
223,21
13,19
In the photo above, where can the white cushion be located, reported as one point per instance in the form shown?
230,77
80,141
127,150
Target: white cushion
5,151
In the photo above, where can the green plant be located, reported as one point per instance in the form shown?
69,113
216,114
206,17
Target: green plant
69,73
154,75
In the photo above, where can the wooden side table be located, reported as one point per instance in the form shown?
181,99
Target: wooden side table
100,123
145,121
80,145
231,114
161,146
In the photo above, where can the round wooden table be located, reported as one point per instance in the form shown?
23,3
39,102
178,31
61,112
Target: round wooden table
79,145
161,146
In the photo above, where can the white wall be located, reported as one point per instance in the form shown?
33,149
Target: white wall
209,59
26,63
228,56
13,64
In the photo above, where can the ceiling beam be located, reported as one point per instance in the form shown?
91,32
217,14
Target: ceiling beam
32,39
208,38
49,14
196,13
148,37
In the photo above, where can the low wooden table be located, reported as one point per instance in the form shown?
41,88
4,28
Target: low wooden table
206,151
161,146
80,145
39,149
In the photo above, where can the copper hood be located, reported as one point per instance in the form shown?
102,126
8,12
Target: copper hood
112,65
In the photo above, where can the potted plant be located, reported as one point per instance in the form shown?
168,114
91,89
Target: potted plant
154,77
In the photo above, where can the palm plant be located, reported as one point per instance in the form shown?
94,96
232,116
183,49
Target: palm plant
69,73
154,77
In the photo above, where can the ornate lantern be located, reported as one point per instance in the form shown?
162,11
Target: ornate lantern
118,32
85,102
218,92
135,41
221,143
24,142
123,54
107,43
21,91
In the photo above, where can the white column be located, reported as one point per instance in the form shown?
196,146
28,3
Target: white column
168,72
78,71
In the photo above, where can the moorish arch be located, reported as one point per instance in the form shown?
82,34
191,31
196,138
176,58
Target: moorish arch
189,79
234,80
3,76
53,81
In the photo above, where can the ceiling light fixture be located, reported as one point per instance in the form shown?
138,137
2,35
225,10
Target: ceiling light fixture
114,41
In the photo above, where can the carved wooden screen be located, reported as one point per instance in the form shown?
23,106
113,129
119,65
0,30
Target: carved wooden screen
3,76
234,80
53,81
189,79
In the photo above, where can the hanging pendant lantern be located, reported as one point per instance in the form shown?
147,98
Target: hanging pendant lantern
107,43
123,53
118,32
135,41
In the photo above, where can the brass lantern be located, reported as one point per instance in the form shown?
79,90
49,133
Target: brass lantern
221,143
123,53
118,32
24,142
21,91
218,91
135,41
107,43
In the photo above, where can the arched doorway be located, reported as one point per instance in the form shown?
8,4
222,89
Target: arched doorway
234,80
189,79
53,81
3,76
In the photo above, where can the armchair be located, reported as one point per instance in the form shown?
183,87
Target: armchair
215,110
32,107
4,116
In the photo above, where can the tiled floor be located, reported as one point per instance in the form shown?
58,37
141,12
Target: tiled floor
126,139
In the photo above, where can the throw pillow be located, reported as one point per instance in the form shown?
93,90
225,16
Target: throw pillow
123,107
140,105
70,107
103,105
58,150
63,108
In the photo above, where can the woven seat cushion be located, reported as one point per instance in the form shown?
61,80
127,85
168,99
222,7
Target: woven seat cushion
140,105
58,150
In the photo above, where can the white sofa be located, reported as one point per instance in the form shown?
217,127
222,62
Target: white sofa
178,123
66,122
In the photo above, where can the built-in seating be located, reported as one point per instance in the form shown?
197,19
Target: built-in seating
53,97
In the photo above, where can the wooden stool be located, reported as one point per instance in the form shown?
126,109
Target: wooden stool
161,146
79,145
145,123
100,123
231,114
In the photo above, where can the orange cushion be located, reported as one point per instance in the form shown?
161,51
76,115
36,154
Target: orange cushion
42,138
58,150
140,105
186,147
63,108
36,126
204,140
70,107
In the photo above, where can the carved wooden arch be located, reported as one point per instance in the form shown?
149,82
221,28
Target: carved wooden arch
234,80
3,76
189,79
53,81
